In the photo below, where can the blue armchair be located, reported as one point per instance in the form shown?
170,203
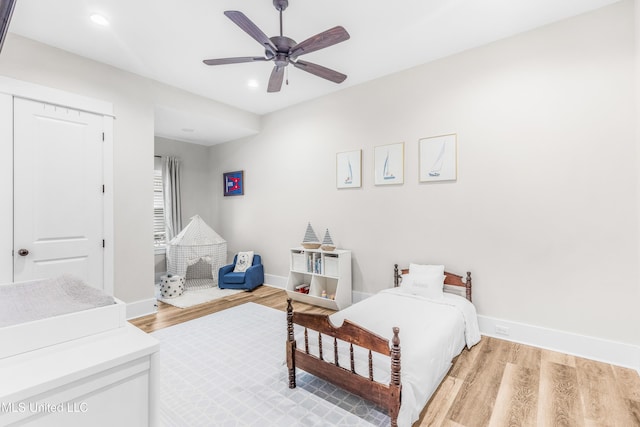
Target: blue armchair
249,280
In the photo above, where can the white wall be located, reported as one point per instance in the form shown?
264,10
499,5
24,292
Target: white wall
195,179
637,110
544,211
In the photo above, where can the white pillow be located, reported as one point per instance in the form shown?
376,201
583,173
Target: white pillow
430,286
426,285
243,261
407,280
426,269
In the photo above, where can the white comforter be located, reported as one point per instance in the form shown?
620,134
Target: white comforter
432,333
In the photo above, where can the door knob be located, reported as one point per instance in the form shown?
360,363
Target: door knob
23,252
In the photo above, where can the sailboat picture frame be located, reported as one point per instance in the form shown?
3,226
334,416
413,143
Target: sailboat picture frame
349,169
439,158
389,164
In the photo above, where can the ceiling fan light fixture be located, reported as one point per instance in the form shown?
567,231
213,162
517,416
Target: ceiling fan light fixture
98,19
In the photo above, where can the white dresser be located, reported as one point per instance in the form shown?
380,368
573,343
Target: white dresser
106,378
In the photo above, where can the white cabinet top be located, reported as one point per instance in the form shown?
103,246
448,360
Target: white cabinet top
335,251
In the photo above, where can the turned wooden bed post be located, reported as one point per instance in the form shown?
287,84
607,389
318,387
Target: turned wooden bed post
396,276
291,346
468,285
394,385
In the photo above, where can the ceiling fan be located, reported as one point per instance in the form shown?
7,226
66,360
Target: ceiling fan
283,50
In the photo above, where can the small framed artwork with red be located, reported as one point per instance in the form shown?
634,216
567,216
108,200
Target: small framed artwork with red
233,183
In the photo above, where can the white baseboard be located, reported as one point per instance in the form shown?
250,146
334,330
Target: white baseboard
613,352
141,308
275,281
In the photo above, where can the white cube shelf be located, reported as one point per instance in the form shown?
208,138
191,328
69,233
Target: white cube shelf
328,274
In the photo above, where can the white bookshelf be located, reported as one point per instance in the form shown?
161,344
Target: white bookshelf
326,272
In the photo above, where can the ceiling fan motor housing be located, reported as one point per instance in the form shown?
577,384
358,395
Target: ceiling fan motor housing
284,45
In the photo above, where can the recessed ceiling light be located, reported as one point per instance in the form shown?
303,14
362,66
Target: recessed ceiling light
99,19
187,130
253,83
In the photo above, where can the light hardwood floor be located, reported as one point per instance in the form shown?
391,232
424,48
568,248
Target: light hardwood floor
496,383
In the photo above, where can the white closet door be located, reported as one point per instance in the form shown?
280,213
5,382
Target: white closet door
6,188
58,198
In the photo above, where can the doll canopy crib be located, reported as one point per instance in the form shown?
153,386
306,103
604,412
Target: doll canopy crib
196,242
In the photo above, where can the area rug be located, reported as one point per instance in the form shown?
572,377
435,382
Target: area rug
195,296
228,369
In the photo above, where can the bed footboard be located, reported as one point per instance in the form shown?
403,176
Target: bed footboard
385,395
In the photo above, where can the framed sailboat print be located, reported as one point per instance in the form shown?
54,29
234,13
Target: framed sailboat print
389,164
438,158
349,169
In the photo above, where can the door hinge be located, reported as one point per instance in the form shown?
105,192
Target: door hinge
103,188
102,136
103,243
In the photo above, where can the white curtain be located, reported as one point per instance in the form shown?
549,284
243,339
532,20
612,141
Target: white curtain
171,191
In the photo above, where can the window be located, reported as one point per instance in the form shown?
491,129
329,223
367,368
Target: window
159,240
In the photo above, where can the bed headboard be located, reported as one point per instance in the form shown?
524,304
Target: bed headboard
453,283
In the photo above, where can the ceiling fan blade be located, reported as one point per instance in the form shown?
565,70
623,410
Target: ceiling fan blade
241,20
223,61
275,81
320,71
320,41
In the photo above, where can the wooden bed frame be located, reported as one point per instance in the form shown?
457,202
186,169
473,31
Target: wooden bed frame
386,396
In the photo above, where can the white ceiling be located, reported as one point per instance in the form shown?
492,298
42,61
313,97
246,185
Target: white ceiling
167,40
